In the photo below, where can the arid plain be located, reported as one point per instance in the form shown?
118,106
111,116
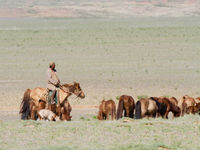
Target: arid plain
110,52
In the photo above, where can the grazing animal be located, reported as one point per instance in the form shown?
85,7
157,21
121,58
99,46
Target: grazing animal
185,102
169,107
174,101
161,107
107,108
193,109
45,114
126,104
197,100
145,108
36,99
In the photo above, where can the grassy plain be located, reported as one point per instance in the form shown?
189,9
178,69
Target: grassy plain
89,133
109,57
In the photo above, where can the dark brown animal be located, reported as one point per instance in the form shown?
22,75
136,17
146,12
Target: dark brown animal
126,104
35,100
106,109
174,101
145,108
169,106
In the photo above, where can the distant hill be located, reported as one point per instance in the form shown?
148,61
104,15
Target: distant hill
98,8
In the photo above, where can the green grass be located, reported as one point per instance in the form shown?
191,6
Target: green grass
109,57
180,133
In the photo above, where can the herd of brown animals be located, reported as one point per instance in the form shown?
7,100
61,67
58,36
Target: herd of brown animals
148,107
34,100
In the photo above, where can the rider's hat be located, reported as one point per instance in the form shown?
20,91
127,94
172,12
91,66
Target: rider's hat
51,64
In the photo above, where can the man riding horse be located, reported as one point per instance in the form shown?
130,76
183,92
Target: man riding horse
53,80
35,99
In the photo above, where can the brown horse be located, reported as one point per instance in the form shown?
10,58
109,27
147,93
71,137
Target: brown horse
174,101
193,109
107,108
65,112
145,107
197,100
36,99
170,106
185,102
126,104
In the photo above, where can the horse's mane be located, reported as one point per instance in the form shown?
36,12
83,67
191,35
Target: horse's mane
70,84
67,85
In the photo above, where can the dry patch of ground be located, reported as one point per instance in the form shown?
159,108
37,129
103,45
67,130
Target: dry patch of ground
101,8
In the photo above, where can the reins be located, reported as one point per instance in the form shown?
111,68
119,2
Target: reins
61,87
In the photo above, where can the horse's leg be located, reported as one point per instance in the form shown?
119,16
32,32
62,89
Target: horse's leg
33,112
104,116
166,115
167,112
41,105
112,115
66,112
107,116
52,107
127,113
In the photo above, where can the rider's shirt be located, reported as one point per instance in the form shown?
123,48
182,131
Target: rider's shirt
52,79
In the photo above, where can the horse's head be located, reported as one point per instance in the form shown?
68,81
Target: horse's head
78,91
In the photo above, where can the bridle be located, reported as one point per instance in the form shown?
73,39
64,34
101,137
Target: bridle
66,90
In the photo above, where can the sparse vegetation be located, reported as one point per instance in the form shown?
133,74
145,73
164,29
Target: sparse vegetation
142,96
109,57
132,134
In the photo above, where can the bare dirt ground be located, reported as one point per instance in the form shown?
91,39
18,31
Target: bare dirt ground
99,8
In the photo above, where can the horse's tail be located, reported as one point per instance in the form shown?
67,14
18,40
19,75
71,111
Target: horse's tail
162,108
25,105
138,110
120,108
114,110
159,105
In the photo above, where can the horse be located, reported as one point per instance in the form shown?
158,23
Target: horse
107,108
126,104
145,107
170,106
174,101
65,112
197,100
36,99
193,109
185,102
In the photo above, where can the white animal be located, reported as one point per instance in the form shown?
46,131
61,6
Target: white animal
45,114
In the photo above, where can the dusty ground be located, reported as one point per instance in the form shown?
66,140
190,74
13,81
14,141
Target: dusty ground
99,8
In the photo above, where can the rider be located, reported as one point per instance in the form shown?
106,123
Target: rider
53,80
